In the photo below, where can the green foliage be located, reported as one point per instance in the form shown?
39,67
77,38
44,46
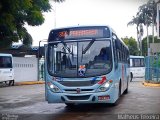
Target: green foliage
14,14
146,14
132,45
156,63
27,39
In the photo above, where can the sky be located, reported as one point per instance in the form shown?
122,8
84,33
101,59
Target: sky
115,13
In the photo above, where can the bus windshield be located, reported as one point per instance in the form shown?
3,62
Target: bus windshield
5,62
79,58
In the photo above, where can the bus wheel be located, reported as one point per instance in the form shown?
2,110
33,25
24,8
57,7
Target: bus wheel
131,77
11,83
7,83
126,90
70,105
119,92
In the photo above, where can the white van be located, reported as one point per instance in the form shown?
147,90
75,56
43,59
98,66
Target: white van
6,69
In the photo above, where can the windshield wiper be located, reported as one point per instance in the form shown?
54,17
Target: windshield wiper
87,47
67,48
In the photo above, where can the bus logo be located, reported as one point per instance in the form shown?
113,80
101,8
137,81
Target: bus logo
82,70
78,90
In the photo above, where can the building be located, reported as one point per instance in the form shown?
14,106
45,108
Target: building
155,48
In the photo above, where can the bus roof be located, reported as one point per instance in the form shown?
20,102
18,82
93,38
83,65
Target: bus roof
133,56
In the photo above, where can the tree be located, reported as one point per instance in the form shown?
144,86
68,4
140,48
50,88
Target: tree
146,16
132,45
27,39
138,20
15,14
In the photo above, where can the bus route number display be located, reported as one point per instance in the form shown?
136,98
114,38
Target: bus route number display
80,33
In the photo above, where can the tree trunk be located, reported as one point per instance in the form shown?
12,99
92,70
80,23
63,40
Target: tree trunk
138,45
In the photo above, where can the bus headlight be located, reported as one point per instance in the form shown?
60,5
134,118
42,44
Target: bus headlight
105,86
53,87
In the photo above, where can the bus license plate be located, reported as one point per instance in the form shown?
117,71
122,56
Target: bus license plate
103,98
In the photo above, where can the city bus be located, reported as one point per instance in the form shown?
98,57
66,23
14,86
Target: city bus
6,69
137,66
76,70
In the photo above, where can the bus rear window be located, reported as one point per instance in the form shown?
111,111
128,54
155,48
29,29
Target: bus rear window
5,62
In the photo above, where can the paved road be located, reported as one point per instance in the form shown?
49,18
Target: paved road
29,101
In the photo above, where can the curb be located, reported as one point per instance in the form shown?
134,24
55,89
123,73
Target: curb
29,83
150,84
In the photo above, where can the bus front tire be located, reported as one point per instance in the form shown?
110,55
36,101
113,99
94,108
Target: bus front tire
131,77
119,92
11,83
126,90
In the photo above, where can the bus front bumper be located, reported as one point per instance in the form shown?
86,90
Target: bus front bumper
109,96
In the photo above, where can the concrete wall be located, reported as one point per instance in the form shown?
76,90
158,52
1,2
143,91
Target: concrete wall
25,68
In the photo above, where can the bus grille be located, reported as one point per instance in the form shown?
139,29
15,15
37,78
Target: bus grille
78,83
81,91
84,97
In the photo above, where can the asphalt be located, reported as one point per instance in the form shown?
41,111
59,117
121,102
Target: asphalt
29,100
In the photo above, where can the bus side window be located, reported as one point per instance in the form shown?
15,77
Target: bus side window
115,53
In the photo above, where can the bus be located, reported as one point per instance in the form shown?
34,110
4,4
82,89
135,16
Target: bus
76,70
6,69
137,66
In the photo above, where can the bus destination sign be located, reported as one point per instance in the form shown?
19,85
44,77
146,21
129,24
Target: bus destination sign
78,33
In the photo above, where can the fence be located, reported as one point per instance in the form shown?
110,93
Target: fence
152,71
